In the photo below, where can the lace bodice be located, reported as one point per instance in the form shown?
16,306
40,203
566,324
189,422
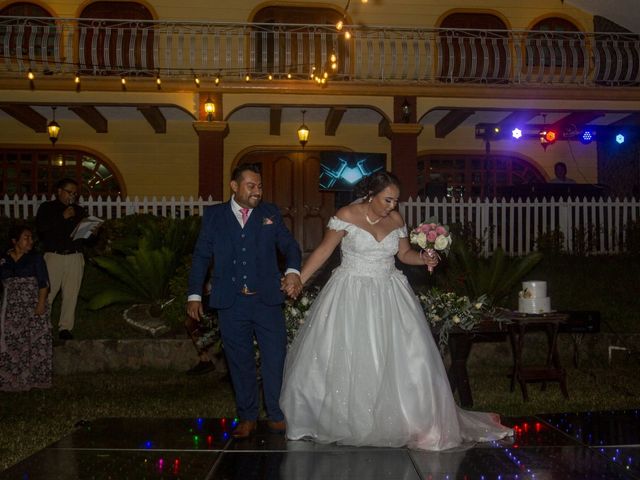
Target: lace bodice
362,254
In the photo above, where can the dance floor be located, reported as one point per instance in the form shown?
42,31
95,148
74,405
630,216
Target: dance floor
595,445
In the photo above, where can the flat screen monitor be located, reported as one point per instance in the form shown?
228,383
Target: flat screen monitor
341,171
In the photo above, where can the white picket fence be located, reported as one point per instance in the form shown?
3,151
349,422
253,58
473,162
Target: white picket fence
595,226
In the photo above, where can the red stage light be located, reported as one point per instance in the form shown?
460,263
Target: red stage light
550,136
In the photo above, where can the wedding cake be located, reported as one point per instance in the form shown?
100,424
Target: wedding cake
533,298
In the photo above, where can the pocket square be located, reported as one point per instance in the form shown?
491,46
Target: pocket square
267,221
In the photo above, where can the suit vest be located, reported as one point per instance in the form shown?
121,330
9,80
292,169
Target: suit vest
245,243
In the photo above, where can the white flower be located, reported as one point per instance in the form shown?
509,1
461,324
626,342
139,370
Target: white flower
478,305
435,318
294,312
304,301
441,242
421,240
456,319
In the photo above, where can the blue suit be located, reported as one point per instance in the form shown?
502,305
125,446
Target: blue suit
246,259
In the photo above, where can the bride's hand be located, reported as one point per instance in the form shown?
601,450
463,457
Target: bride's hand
430,258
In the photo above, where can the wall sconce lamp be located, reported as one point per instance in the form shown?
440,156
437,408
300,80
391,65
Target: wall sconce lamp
209,108
405,111
303,132
53,128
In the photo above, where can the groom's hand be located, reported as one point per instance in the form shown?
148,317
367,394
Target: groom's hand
291,285
194,309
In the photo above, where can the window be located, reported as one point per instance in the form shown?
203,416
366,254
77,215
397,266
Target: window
36,172
474,49
23,33
283,43
119,47
555,42
473,175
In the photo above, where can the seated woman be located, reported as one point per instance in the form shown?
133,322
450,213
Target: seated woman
25,331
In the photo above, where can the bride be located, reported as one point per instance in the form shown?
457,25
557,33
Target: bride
364,368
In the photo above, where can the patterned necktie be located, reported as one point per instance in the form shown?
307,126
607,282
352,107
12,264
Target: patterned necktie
245,215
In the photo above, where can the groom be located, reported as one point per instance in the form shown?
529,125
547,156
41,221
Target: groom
242,237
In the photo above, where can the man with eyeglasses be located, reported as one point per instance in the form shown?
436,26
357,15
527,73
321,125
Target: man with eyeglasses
55,221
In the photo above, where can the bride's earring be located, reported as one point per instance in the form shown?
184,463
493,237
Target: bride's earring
370,199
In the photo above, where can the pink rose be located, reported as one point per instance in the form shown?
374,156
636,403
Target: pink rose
431,236
433,226
425,227
441,230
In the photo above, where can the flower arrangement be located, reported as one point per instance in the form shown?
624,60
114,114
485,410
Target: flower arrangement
432,238
446,310
296,310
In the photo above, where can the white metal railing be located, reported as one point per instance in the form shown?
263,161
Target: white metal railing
589,226
374,53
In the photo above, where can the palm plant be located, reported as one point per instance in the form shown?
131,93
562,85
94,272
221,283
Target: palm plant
143,270
496,277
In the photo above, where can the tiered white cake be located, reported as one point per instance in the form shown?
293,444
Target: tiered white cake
533,298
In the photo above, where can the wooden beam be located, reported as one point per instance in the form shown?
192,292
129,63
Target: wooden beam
451,121
275,120
518,118
631,120
154,116
577,119
91,116
27,116
334,117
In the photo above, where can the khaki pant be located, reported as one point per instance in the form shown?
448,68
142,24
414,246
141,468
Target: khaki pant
65,273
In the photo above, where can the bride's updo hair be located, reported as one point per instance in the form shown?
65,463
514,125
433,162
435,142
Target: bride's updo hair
373,184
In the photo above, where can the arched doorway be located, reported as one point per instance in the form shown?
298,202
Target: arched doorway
290,180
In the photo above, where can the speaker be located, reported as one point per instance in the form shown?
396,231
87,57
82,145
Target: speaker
581,321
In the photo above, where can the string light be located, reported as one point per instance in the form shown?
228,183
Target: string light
31,77
247,77
347,35
123,82
196,80
158,82
76,80
270,77
216,81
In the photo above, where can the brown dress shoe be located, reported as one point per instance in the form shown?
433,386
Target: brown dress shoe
244,429
276,427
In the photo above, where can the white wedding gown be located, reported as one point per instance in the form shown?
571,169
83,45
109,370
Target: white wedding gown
364,368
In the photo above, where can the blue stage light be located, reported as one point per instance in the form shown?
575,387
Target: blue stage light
587,136
516,133
620,138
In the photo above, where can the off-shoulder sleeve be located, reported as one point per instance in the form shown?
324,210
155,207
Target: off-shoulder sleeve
336,224
403,231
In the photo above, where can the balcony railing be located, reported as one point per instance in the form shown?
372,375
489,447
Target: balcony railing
99,47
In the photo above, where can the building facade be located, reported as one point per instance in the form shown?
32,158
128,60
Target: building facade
442,91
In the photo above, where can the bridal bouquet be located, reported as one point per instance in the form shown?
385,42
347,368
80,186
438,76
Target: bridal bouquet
432,238
296,310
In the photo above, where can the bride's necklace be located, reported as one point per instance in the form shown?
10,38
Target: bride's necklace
369,221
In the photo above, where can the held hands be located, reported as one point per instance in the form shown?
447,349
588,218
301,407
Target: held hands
194,309
291,285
